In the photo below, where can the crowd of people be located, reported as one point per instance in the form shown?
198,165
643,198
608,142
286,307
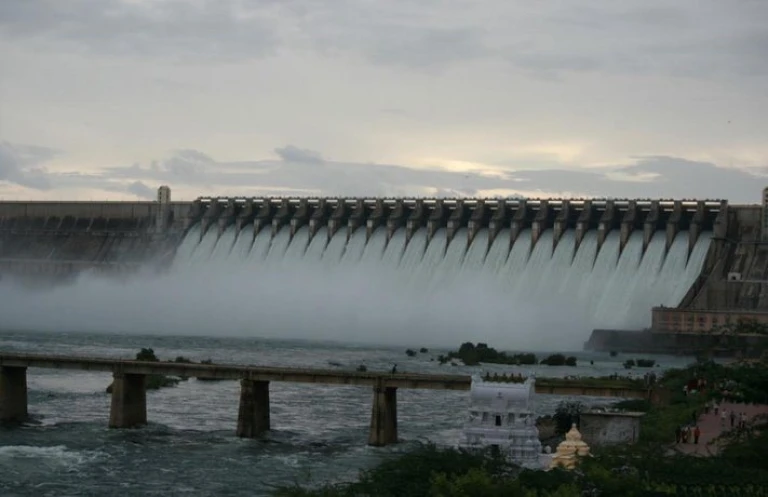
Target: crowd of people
729,419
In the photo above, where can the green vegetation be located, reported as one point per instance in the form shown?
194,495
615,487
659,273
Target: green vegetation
361,368
423,350
156,381
472,355
566,415
410,353
640,363
645,469
559,360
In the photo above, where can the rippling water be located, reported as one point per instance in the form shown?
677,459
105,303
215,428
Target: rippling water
319,433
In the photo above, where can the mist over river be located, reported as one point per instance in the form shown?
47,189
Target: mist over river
319,433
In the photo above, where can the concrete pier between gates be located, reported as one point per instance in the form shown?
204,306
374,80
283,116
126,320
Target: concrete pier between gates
383,416
13,395
129,401
253,414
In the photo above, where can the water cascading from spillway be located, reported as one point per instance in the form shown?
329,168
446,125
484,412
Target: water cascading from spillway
607,287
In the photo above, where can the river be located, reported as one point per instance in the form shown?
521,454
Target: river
319,433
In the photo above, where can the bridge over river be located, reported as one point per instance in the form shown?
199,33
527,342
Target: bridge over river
129,398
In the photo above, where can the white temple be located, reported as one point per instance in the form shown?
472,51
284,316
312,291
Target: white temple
501,415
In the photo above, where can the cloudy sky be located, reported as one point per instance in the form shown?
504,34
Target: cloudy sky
107,99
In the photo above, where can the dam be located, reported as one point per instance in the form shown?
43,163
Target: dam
500,264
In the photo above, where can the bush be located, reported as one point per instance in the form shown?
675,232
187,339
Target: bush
554,360
472,355
410,352
645,363
147,355
566,415
414,473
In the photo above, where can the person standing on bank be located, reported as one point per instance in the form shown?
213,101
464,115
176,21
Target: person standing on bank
696,434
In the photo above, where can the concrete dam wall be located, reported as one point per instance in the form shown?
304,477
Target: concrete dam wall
489,264
600,262
64,238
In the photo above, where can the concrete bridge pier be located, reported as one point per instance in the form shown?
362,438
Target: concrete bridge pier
129,401
13,395
383,416
253,414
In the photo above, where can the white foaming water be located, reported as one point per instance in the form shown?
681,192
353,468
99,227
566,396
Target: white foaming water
243,244
432,292
476,253
224,244
57,455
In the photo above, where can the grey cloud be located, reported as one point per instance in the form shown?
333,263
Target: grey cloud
658,177
693,39
141,190
292,153
423,47
187,163
206,28
304,172
22,164
674,178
